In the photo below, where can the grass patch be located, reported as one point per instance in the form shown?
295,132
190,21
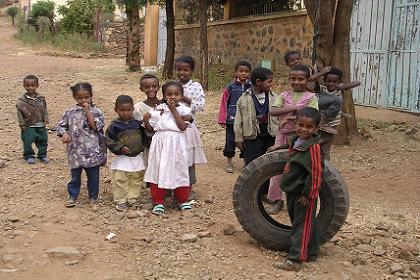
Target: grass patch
61,42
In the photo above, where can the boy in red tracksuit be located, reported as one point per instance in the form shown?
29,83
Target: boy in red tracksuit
302,177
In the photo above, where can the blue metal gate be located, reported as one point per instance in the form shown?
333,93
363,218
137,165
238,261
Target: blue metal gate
385,54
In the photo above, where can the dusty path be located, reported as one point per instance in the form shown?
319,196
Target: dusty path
383,175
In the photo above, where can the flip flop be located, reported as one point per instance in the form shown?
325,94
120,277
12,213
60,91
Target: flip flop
185,206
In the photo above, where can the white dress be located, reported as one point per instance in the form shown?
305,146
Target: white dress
195,92
168,156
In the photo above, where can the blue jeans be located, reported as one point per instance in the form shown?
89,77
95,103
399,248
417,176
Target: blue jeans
92,174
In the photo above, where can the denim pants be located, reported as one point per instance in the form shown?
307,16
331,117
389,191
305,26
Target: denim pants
92,174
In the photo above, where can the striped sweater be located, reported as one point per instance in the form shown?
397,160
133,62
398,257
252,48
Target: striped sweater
303,170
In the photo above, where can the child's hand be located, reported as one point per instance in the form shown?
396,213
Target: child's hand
66,138
146,117
22,128
304,201
273,148
171,105
86,106
240,145
125,150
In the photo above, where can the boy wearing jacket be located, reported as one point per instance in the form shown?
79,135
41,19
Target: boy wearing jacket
302,177
255,129
227,109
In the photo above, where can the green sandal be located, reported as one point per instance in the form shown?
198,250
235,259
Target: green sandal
158,209
185,206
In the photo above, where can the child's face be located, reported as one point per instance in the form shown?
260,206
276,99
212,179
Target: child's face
150,87
293,60
305,127
183,72
242,73
82,97
30,86
298,80
332,81
265,86
125,111
173,93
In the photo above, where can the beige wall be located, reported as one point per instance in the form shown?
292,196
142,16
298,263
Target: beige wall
252,38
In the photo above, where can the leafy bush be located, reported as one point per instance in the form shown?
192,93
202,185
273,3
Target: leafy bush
78,16
42,8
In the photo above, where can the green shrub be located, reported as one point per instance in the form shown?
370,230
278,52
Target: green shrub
78,43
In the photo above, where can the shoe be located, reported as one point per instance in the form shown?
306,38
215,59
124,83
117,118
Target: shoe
70,203
185,206
290,265
158,209
45,160
30,161
93,200
229,168
122,207
276,208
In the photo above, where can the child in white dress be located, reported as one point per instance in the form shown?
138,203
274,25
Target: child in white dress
194,98
168,156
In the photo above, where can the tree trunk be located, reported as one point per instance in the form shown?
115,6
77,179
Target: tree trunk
204,48
168,66
133,60
13,21
96,25
333,48
341,59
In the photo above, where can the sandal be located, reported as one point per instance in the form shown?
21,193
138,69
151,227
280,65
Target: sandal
290,265
185,206
158,209
71,202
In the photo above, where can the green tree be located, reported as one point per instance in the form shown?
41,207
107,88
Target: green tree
77,16
12,12
42,8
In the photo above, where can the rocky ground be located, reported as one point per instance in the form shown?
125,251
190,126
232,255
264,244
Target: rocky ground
41,239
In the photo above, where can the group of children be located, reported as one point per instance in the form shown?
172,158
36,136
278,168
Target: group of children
157,141
303,120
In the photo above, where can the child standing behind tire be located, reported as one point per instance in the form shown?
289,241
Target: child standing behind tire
81,129
33,116
227,109
254,128
302,177
168,156
285,108
124,138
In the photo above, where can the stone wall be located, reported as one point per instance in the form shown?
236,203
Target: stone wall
252,38
115,37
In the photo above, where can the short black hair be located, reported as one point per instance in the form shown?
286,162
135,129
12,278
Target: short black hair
186,59
243,63
260,73
30,77
149,76
310,112
301,67
172,83
81,86
335,71
123,99
289,54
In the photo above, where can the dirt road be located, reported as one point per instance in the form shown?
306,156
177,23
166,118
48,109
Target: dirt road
379,241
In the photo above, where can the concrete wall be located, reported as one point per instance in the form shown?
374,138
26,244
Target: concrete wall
251,38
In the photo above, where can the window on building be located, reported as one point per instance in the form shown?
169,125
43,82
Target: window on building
245,8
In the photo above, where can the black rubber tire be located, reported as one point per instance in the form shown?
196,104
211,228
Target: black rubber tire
247,202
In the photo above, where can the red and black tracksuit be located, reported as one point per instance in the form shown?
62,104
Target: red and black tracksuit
303,176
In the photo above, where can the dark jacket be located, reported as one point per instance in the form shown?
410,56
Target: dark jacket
329,104
303,170
231,94
30,111
128,134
